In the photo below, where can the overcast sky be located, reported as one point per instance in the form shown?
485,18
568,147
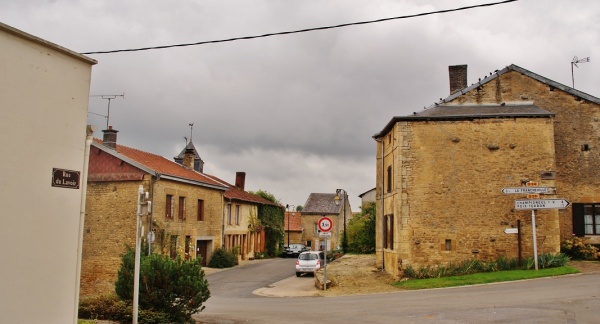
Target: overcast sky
297,112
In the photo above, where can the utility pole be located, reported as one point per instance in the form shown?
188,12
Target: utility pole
144,208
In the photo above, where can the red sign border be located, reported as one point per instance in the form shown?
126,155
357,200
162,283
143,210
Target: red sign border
330,222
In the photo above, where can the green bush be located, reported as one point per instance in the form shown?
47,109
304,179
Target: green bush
110,308
471,266
172,288
222,258
361,231
577,248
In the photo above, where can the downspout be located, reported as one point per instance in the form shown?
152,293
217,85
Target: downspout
84,175
382,206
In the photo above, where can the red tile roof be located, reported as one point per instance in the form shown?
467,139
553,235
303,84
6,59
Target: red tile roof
295,221
163,166
235,193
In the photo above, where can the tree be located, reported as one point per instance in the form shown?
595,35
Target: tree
173,287
361,231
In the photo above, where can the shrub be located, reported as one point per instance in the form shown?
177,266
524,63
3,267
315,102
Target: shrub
110,308
471,266
223,259
577,248
172,288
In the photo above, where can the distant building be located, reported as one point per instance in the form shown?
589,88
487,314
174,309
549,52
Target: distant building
323,205
292,223
45,142
367,197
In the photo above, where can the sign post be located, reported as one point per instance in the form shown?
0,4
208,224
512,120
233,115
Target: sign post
325,224
533,191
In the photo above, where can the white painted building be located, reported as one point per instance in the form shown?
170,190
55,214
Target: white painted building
44,91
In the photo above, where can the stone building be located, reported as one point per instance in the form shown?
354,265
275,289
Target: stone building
44,97
324,205
292,223
440,172
187,210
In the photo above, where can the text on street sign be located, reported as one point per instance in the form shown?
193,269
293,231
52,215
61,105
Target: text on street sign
522,204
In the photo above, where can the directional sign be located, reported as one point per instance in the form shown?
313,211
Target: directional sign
511,231
521,204
528,190
325,224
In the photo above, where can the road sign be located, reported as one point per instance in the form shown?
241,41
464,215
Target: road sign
325,234
522,204
325,224
529,190
511,231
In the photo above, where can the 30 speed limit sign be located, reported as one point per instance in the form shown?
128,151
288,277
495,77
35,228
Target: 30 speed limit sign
325,224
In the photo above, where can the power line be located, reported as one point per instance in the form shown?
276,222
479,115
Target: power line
301,30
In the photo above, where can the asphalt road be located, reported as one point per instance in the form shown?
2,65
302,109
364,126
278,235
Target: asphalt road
565,299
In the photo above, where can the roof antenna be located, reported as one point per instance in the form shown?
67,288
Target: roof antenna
574,62
109,98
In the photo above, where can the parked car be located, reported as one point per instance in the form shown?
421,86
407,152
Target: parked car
294,250
309,262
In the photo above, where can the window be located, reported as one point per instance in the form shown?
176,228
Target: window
389,179
448,245
586,219
388,232
229,214
182,208
315,228
237,215
173,247
200,209
169,206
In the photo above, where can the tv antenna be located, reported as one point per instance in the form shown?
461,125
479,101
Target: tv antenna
109,98
574,62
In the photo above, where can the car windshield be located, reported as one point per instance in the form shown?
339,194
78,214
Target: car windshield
308,256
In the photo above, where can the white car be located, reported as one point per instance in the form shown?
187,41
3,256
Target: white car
309,262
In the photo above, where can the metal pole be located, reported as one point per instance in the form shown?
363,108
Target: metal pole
345,243
535,256
325,265
136,275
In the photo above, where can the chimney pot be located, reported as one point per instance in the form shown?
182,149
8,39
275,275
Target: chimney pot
188,158
458,77
110,138
240,179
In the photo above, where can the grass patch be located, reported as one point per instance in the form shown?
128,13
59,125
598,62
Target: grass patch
483,278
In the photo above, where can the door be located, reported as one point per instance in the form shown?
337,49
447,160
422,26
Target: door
202,251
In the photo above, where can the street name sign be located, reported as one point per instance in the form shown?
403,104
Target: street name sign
523,204
528,190
511,231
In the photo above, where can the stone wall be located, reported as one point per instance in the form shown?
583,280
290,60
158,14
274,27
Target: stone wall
576,125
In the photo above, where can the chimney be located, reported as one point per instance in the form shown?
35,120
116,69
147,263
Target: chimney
458,77
240,179
110,138
188,158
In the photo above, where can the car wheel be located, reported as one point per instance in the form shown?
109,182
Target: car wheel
298,274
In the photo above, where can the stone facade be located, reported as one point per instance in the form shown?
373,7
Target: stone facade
441,180
320,205
110,225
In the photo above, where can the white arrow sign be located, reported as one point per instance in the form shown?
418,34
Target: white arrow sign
528,190
511,231
522,204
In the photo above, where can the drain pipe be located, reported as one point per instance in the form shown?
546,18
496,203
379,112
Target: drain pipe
382,206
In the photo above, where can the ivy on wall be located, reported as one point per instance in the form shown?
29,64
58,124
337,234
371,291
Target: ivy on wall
271,217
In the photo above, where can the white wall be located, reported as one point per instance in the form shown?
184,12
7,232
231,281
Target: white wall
44,92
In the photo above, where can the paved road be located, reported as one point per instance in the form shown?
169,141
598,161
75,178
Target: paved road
566,299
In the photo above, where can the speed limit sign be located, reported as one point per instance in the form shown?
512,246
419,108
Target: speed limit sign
325,224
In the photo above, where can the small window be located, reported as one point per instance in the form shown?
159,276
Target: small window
229,214
169,206
389,179
448,245
182,208
586,219
200,209
237,215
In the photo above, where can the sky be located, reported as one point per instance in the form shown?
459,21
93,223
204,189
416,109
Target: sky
297,112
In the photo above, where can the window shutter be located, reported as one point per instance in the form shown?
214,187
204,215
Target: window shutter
578,223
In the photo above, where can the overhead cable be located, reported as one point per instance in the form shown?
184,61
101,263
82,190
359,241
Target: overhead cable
300,30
